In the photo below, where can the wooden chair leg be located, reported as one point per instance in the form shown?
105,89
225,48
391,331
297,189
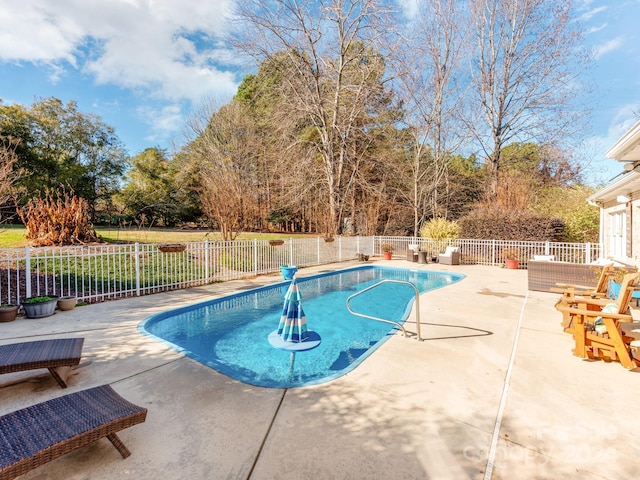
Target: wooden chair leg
579,337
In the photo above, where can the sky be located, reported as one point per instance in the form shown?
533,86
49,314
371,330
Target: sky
144,66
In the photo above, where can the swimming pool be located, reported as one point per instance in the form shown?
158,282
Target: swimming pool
230,334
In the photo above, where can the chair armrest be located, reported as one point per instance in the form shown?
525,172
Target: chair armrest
623,317
572,292
571,285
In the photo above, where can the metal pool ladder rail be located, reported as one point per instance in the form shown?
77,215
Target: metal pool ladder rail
399,325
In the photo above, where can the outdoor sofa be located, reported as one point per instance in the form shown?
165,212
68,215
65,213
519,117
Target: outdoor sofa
543,275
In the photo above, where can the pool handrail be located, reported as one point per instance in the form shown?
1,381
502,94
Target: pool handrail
417,305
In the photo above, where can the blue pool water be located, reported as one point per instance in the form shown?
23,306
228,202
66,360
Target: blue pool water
230,334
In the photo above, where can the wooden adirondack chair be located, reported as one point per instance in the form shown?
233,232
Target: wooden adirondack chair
570,292
599,332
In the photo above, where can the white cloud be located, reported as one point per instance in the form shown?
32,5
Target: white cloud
597,29
600,50
591,13
163,121
409,7
167,48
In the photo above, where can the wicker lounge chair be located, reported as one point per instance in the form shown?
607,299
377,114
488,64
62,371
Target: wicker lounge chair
56,355
38,434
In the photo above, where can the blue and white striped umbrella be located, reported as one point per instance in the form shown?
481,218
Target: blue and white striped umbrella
293,322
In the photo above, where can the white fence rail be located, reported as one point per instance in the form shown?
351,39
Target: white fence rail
97,273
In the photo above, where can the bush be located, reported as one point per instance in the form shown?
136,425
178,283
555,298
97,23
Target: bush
58,219
505,224
440,229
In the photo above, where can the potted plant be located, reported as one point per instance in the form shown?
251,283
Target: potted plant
362,257
8,312
511,258
67,303
41,306
387,251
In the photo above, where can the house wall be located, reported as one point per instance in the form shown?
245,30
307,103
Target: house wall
631,245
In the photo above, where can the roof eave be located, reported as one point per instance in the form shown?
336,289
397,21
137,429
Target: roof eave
628,142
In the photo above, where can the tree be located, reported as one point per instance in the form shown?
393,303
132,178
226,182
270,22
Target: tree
432,99
8,174
333,78
525,67
149,190
581,220
61,146
226,153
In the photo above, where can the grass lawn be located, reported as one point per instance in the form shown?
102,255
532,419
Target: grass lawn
12,236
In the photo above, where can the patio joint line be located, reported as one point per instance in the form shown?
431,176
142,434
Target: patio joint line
266,435
488,472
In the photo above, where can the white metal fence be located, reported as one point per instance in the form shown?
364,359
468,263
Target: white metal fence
97,273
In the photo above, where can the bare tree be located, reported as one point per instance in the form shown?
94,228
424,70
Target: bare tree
224,148
524,70
334,74
430,88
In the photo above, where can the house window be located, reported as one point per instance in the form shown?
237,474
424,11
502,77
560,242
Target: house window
618,234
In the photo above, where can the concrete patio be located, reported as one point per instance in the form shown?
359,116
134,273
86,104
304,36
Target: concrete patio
495,361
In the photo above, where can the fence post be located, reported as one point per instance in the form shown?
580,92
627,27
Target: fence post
318,250
340,248
255,256
547,248
206,260
137,263
493,252
588,252
27,273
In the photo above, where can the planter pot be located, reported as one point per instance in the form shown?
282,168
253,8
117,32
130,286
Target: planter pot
288,271
67,303
40,309
8,313
387,255
172,247
510,263
276,243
